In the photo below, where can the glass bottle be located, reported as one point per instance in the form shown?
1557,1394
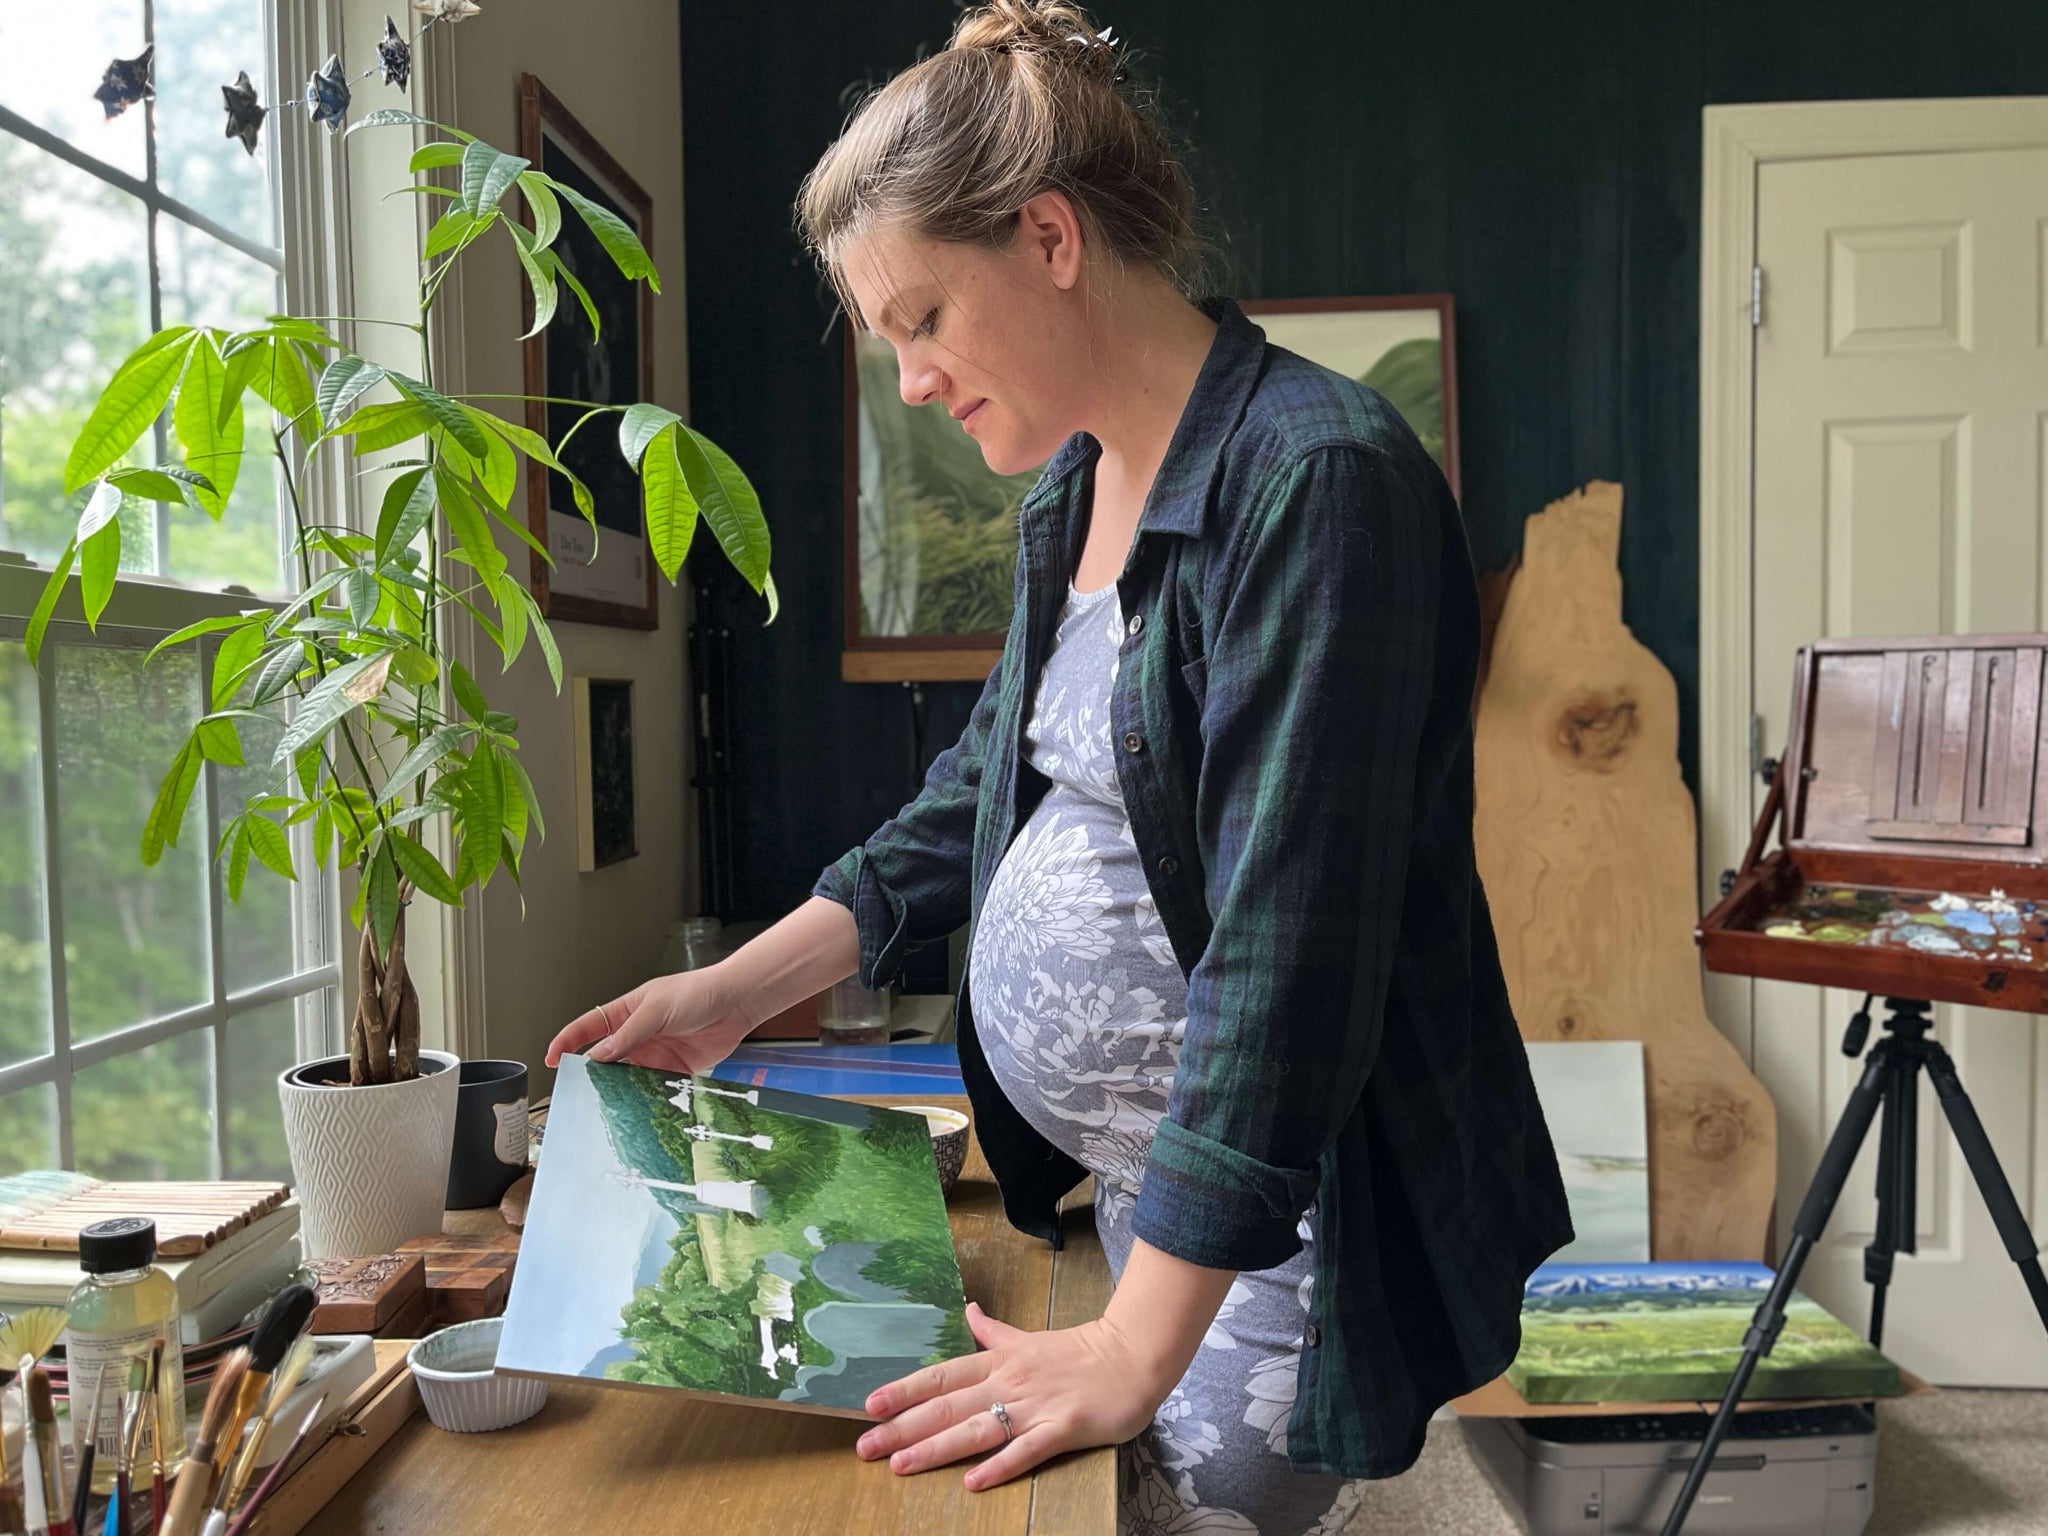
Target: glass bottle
123,1307
693,944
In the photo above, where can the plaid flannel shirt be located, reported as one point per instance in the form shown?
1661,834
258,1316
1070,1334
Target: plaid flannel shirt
1291,717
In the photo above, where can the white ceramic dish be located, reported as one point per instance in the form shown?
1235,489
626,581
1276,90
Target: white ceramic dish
459,1385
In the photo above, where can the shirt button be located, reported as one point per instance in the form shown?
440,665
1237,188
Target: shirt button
1133,742
1313,1337
1137,624
1169,865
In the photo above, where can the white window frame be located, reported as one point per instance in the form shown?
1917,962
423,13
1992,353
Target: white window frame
310,197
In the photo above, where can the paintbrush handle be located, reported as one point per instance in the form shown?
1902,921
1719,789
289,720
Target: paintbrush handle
83,1493
13,1518
270,1481
188,1500
156,1499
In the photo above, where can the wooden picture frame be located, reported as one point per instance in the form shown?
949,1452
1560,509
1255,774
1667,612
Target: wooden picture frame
616,367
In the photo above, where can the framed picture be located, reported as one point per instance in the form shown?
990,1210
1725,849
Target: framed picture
605,832
931,530
1404,346
606,577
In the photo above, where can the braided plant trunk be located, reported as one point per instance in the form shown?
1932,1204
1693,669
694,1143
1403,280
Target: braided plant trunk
384,1035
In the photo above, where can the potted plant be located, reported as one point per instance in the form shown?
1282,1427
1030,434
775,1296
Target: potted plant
379,734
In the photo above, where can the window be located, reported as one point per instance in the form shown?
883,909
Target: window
143,1017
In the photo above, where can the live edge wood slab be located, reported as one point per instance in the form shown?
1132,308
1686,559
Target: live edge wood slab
599,1460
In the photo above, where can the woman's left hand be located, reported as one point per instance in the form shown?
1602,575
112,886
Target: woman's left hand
1065,1389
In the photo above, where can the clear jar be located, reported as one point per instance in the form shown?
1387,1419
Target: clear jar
692,944
849,1014
120,1311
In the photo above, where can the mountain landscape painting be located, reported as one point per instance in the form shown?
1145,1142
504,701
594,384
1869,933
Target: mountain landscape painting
742,1242
1660,1333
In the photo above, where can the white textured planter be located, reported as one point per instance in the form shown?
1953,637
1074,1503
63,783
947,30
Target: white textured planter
370,1164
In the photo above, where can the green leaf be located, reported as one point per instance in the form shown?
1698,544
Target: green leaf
386,425
172,484
101,508
487,174
239,378
167,815
99,561
398,117
203,627
671,509
455,229
271,845
521,532
615,235
431,157
46,604
237,654
323,833
436,745
774,601
219,741
641,425
543,206
343,382
307,767
326,702
281,379
237,837
561,270
364,594
445,413
467,694
730,504
484,783
285,663
526,793
472,532
419,865
513,800
539,277
546,637
210,437
383,897
131,402
535,447
408,503
513,612
498,469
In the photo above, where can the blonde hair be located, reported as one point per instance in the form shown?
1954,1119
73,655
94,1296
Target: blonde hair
1028,97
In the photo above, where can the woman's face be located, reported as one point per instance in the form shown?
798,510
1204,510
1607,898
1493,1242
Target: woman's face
992,336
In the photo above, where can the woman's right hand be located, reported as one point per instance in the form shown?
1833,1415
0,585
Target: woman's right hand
688,1022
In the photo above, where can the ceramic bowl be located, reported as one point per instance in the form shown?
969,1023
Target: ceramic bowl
459,1386
949,1139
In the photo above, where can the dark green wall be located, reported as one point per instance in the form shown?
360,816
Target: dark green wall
1539,162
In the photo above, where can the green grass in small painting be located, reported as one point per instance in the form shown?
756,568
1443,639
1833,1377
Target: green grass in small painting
730,1310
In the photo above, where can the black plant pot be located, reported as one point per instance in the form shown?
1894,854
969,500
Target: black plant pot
490,1133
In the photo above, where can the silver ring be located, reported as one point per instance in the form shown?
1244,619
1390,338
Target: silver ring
1003,1418
606,1017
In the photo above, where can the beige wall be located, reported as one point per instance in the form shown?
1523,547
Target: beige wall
584,937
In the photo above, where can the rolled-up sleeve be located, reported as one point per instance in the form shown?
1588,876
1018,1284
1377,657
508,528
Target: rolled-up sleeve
911,881
1319,675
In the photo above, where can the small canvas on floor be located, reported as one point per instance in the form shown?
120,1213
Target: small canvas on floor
1593,1098
732,1240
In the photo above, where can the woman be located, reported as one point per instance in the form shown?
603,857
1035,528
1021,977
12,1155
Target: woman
1210,820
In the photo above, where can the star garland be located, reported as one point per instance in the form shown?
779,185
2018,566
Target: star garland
329,89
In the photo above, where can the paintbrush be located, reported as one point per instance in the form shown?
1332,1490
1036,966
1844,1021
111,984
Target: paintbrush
86,1449
195,1482
128,1440
283,1321
276,1473
26,1338
282,1385
42,1414
156,1434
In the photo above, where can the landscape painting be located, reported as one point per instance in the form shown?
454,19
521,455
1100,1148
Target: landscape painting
711,1237
1594,1100
1660,1333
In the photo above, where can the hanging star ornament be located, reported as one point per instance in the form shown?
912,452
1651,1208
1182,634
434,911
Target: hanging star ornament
245,117
395,54
128,81
327,94
447,10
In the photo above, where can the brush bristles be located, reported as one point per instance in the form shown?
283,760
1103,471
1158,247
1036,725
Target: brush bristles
286,1381
220,1401
283,1321
32,1334
41,1408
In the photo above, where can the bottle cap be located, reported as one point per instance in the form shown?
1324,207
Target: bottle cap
126,1242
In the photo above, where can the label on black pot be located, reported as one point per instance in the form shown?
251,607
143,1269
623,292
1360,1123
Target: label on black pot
511,1143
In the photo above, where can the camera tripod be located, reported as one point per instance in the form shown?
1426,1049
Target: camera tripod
1890,1082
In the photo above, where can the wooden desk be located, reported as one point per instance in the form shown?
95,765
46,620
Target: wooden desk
609,1460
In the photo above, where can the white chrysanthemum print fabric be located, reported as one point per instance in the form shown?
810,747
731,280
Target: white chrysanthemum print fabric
1080,1006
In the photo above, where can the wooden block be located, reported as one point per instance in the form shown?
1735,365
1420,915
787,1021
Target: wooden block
412,1321
468,1275
190,1217
363,1295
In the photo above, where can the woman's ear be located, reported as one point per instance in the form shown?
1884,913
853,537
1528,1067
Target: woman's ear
1049,233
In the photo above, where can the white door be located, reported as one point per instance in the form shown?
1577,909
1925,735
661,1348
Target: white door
1901,416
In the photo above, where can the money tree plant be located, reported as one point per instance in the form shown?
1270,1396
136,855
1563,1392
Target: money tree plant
379,732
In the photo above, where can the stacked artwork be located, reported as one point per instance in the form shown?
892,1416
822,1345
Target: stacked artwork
732,1240
1657,1333
1593,1101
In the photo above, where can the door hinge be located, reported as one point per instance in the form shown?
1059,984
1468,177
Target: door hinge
1756,297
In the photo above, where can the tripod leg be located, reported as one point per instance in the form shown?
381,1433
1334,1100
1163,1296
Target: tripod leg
1821,1195
1991,1181
1897,1180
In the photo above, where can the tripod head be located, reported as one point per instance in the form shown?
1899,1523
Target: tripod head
1907,1016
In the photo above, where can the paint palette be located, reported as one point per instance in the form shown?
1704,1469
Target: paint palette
1929,923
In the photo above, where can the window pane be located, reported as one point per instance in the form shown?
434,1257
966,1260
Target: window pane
256,932
201,46
147,1114
207,283
28,1129
134,938
52,64
24,947
260,1046
74,302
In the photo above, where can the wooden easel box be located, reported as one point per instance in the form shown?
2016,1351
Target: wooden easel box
1914,766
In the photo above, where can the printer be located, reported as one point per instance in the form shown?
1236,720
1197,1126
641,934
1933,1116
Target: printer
1780,1472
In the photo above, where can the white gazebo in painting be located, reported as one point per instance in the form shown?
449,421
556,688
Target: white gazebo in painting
707,1195
685,1091
705,1133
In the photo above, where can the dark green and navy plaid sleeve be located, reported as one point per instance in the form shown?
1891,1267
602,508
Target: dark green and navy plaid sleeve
912,880
1318,681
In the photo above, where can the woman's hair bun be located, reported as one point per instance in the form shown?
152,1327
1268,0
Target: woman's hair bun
1051,29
